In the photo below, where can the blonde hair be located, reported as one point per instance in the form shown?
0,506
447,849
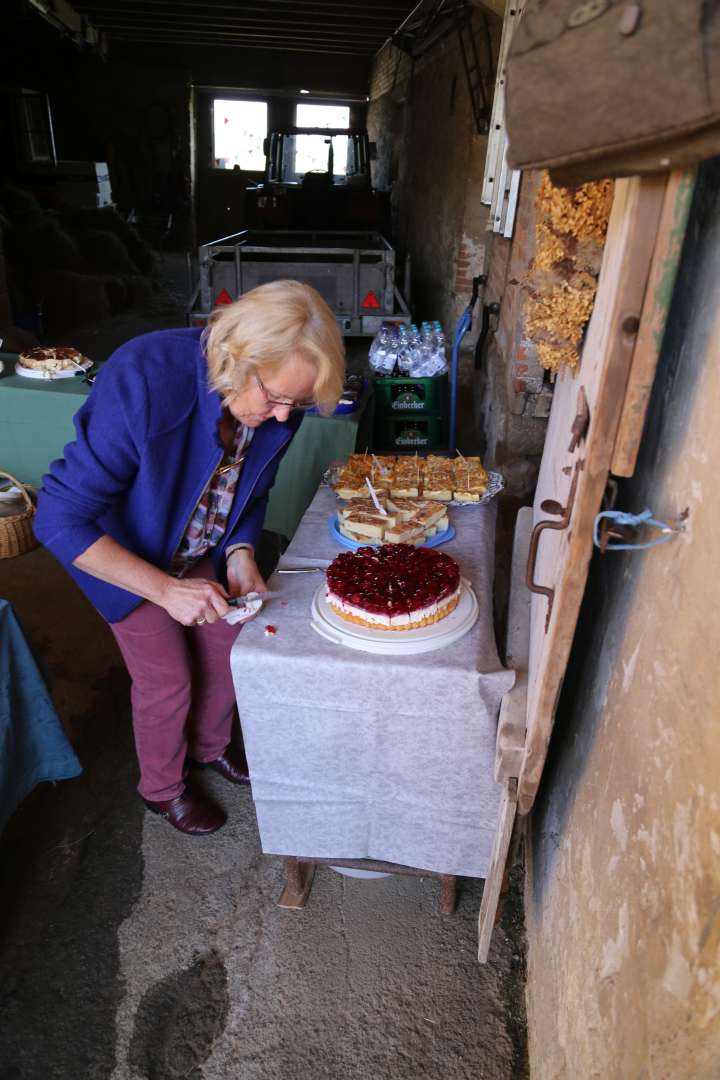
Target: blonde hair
268,326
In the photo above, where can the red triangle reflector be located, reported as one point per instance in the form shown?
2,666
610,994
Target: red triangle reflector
224,297
371,301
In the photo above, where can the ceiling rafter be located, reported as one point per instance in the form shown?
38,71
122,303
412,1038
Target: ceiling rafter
345,27
223,42
274,40
388,14
253,30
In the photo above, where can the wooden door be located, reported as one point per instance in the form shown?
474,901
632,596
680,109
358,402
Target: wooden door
598,406
576,459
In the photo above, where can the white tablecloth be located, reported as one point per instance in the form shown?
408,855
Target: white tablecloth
356,755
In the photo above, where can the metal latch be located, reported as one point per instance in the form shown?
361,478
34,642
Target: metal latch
616,530
550,506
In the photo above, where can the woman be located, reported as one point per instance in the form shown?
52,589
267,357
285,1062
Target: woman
159,502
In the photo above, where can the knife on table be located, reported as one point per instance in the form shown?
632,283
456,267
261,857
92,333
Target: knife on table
242,601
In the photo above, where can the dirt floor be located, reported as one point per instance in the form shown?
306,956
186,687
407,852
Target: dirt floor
130,951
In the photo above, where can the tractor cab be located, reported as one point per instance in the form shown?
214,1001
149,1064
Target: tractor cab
316,178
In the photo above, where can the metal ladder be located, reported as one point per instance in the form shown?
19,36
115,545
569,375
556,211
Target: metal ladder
479,98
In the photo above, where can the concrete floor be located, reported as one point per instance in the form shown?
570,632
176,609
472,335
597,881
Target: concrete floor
130,951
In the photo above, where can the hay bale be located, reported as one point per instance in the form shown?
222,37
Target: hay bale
140,252
107,219
16,339
72,299
105,253
19,206
46,246
117,293
139,290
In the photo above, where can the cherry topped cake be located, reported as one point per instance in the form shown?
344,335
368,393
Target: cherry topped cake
393,587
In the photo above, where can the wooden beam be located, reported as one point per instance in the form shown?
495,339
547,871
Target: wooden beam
663,271
64,17
497,7
510,742
300,876
496,873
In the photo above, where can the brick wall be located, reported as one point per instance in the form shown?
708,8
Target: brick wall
391,72
432,158
509,264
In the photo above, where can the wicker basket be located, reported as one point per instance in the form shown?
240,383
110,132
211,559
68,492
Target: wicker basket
16,535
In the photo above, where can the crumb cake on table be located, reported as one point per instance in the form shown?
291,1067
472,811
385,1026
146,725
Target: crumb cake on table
49,358
393,587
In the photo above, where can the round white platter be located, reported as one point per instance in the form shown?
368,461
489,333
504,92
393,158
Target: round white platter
63,373
396,642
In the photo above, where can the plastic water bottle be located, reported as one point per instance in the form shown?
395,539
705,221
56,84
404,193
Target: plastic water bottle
426,364
439,353
404,351
415,356
382,354
392,350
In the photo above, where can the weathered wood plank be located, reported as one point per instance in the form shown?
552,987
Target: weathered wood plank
299,883
510,743
498,859
663,271
496,6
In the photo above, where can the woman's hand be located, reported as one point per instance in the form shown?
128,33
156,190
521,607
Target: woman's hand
193,601
243,575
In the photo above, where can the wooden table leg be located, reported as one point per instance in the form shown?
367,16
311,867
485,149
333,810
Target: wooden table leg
299,882
448,894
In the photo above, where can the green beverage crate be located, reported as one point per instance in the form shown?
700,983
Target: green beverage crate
403,434
395,396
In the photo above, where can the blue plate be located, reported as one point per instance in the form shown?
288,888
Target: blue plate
433,541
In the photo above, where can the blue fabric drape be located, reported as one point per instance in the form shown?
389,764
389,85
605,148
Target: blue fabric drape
33,746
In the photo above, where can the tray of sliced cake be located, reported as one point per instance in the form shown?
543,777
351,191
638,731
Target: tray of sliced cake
460,481
394,520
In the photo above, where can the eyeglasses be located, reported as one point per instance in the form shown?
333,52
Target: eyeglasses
273,401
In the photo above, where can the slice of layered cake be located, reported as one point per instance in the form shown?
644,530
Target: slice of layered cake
471,479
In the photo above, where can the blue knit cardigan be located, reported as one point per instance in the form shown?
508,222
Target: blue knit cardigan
146,444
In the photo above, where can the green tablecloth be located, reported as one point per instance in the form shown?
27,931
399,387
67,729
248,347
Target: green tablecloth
320,440
36,423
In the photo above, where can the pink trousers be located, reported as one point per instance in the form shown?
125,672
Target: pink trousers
182,692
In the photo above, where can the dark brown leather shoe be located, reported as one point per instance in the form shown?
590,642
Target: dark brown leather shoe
189,813
231,764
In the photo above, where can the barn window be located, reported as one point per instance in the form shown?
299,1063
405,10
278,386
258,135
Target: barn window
239,129
311,151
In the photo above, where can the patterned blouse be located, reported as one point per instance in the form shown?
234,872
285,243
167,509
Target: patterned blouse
209,519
